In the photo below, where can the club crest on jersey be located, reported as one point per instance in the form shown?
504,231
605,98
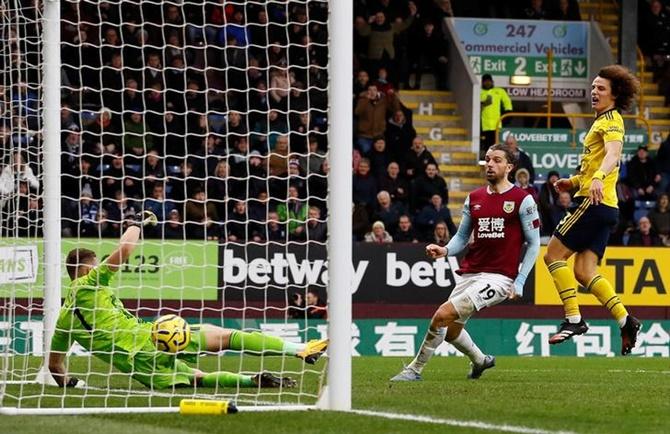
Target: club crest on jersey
508,206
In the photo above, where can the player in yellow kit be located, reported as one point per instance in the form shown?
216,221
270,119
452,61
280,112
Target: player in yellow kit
585,230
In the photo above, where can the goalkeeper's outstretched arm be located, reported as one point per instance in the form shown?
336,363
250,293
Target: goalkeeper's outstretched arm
129,240
57,369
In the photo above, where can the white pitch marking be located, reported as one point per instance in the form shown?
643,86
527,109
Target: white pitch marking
638,371
458,423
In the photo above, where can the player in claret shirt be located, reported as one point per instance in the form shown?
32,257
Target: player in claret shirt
502,218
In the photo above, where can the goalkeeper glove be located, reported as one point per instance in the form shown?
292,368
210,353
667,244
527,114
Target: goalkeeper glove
76,383
145,218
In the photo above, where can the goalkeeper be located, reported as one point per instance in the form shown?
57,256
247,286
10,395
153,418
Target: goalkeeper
92,316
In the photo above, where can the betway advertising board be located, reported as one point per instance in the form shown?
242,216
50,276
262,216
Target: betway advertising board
560,149
504,48
391,273
391,337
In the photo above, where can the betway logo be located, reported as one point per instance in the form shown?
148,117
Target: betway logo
287,269
282,269
421,273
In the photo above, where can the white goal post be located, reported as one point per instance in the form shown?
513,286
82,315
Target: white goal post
26,386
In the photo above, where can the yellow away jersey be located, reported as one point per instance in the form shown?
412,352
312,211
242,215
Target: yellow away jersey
607,127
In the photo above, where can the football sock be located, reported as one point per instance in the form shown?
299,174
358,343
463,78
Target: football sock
431,341
466,345
259,343
566,284
574,319
227,379
602,289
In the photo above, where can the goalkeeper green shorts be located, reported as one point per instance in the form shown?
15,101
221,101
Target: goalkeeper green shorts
159,370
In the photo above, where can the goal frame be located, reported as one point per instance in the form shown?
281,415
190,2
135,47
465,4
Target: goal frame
336,395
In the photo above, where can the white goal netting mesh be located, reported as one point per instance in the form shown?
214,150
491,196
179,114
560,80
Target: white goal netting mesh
211,114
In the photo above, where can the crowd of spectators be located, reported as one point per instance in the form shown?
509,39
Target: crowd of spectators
654,41
395,176
212,116
643,191
396,43
20,115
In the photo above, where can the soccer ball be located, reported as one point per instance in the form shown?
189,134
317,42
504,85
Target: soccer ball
170,333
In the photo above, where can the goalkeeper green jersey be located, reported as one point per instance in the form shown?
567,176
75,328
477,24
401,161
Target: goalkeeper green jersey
95,318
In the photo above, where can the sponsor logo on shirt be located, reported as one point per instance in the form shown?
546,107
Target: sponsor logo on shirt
491,227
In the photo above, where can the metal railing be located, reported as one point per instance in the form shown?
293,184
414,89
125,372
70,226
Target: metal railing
640,101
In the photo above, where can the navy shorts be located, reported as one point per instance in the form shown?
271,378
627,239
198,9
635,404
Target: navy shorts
587,227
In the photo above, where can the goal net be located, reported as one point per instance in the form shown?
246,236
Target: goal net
213,115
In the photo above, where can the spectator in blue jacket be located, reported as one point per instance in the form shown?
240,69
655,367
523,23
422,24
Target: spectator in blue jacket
427,185
365,185
431,214
388,212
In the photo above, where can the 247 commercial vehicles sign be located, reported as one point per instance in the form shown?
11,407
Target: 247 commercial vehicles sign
519,47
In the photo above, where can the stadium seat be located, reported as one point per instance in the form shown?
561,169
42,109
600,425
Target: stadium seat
134,168
642,208
217,122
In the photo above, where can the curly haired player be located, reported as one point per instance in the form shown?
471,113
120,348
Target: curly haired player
584,231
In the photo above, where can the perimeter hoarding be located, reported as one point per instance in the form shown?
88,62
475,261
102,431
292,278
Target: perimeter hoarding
393,273
182,270
397,273
641,277
402,337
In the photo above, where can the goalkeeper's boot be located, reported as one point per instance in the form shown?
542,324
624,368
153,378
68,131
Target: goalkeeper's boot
266,379
407,374
629,334
568,330
476,371
313,350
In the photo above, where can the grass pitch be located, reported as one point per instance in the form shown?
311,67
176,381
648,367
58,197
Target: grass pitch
594,395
